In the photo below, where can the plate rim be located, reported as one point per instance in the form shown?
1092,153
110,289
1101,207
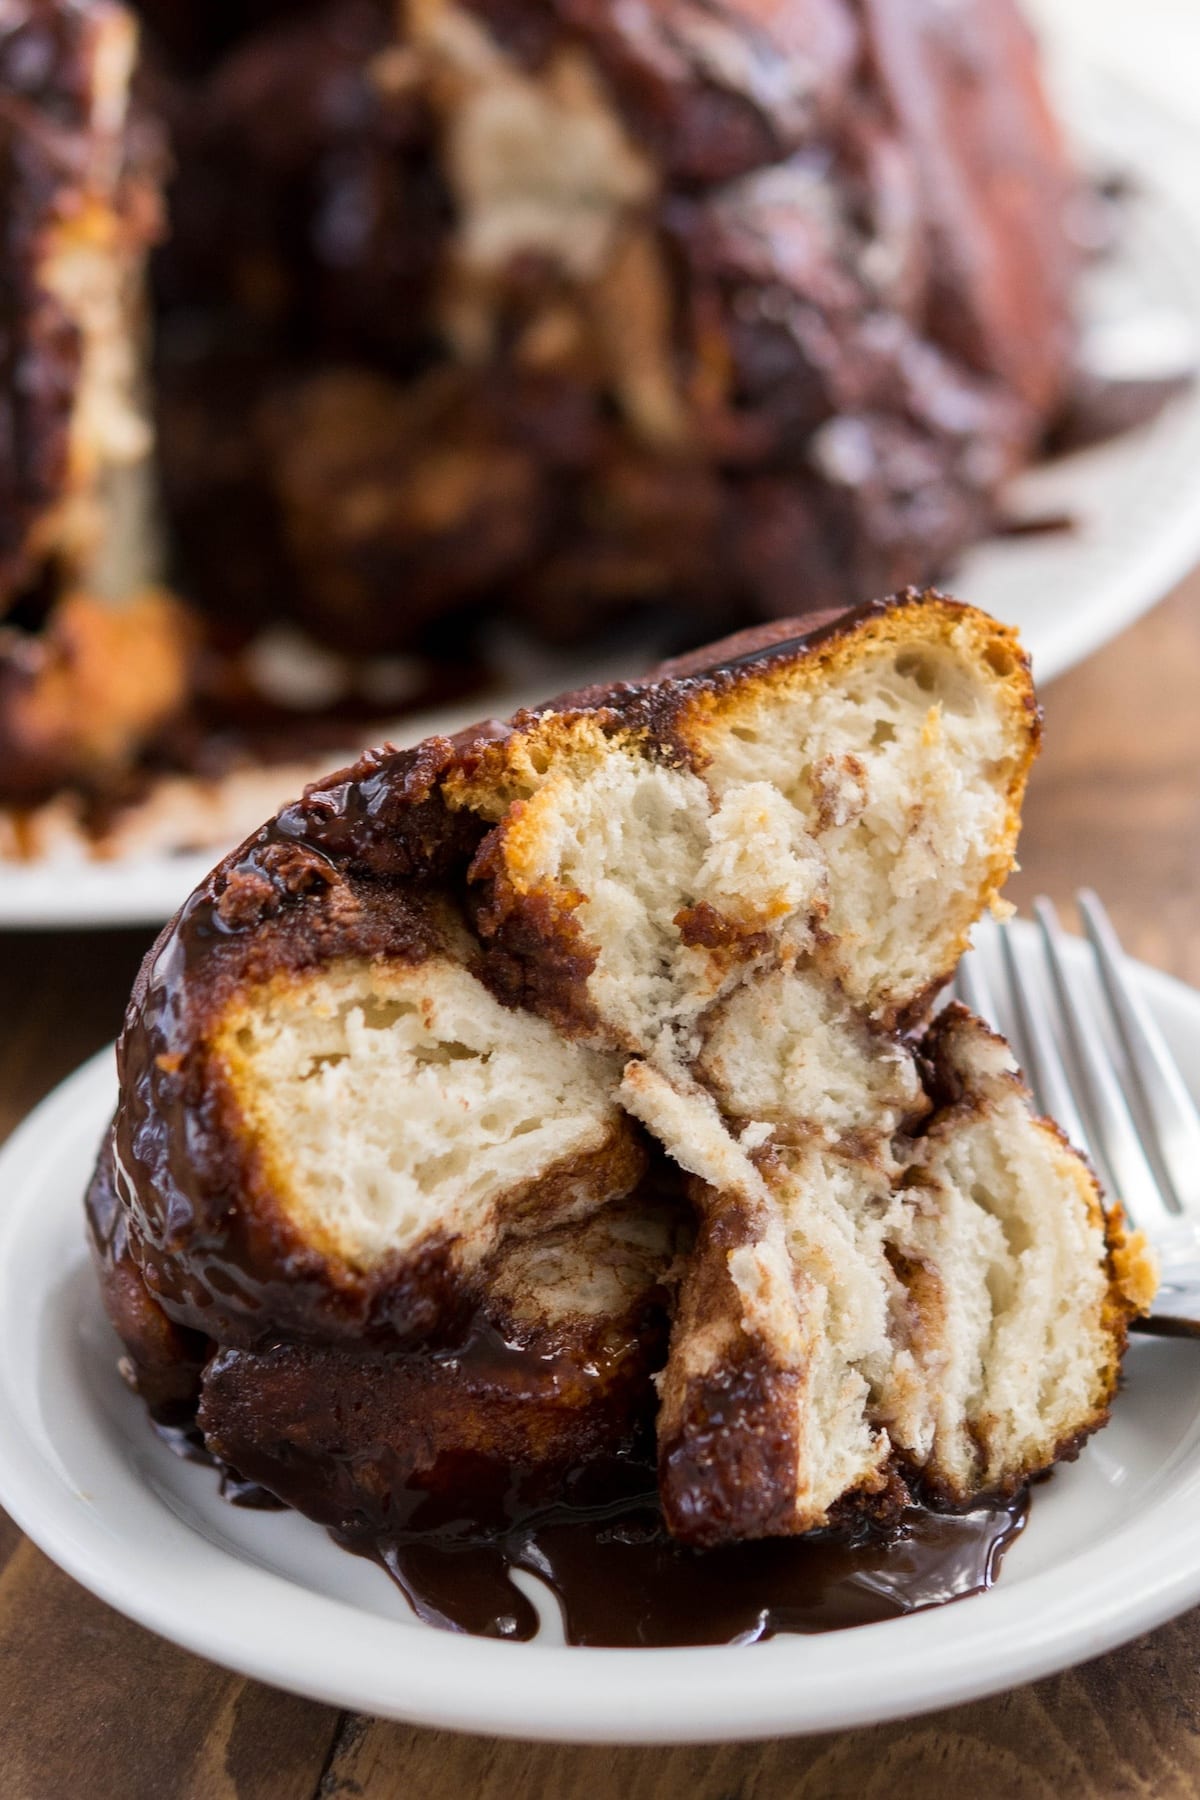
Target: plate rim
646,1696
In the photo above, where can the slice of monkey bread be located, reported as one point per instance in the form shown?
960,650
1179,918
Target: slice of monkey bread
455,998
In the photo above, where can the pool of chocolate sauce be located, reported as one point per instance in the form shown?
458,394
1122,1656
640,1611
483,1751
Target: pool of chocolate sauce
621,1581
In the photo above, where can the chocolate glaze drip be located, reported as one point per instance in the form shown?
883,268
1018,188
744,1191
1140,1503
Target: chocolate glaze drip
454,1531
822,629
1041,525
185,1439
622,1581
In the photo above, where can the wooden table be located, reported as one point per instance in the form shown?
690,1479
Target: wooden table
94,1708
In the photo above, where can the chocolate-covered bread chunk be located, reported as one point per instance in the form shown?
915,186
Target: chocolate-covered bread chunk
458,999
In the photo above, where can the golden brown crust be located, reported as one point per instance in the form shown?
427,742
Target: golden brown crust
1133,1266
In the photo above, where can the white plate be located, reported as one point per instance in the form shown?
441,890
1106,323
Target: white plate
1136,501
1112,1546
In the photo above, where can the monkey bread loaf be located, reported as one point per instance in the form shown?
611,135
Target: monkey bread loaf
552,312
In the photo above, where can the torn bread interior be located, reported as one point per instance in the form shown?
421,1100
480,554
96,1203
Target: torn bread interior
457,998
934,1302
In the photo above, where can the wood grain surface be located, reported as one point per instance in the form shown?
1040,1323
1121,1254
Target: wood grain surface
94,1708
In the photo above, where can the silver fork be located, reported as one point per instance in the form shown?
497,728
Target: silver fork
1099,1065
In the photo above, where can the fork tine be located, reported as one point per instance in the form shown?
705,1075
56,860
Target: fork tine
1130,1178
1169,1107
1042,1059
972,988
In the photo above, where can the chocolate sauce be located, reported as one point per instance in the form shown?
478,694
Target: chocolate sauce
758,643
185,1439
826,626
622,1581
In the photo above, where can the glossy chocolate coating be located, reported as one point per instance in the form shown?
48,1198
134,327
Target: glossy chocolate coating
216,1264
353,1439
